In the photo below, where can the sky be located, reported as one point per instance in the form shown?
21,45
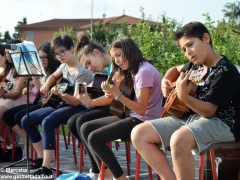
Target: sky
183,11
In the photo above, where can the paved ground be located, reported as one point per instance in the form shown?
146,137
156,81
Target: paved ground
67,163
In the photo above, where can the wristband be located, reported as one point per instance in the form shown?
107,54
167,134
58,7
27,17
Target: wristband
118,97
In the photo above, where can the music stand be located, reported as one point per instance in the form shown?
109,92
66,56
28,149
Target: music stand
27,63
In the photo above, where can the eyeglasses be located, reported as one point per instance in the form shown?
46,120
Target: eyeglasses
43,57
60,53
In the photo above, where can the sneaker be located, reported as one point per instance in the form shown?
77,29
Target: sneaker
92,175
43,172
37,163
108,178
10,146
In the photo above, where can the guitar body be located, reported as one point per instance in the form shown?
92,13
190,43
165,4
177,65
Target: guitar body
117,108
6,85
96,91
173,106
54,100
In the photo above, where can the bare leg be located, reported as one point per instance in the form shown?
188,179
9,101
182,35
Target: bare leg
108,173
39,148
19,131
146,140
123,177
47,158
182,142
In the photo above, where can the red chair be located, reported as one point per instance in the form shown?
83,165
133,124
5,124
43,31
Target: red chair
210,150
57,148
137,171
13,135
128,153
66,145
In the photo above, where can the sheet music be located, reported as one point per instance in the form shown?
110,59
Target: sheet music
26,60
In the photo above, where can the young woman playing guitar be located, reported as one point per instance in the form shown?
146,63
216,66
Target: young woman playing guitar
95,58
11,87
147,103
13,116
48,117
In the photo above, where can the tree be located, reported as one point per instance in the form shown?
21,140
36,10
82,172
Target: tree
66,31
156,42
232,12
1,39
7,36
23,22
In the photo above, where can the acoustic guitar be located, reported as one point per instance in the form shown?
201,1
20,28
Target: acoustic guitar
6,85
173,106
95,90
117,108
62,86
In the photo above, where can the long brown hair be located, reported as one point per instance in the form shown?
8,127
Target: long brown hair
132,54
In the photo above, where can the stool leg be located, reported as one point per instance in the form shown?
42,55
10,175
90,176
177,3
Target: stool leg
128,154
64,137
103,166
57,152
150,172
212,158
81,163
74,149
102,171
201,167
137,172
117,145
4,137
69,136
13,145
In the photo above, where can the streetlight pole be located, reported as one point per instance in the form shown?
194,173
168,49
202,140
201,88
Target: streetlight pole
91,19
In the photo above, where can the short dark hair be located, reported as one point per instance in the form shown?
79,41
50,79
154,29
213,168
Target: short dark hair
64,40
192,29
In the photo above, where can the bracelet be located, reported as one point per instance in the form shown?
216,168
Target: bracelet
118,97
90,106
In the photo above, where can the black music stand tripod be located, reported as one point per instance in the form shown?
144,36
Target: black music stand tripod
26,62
